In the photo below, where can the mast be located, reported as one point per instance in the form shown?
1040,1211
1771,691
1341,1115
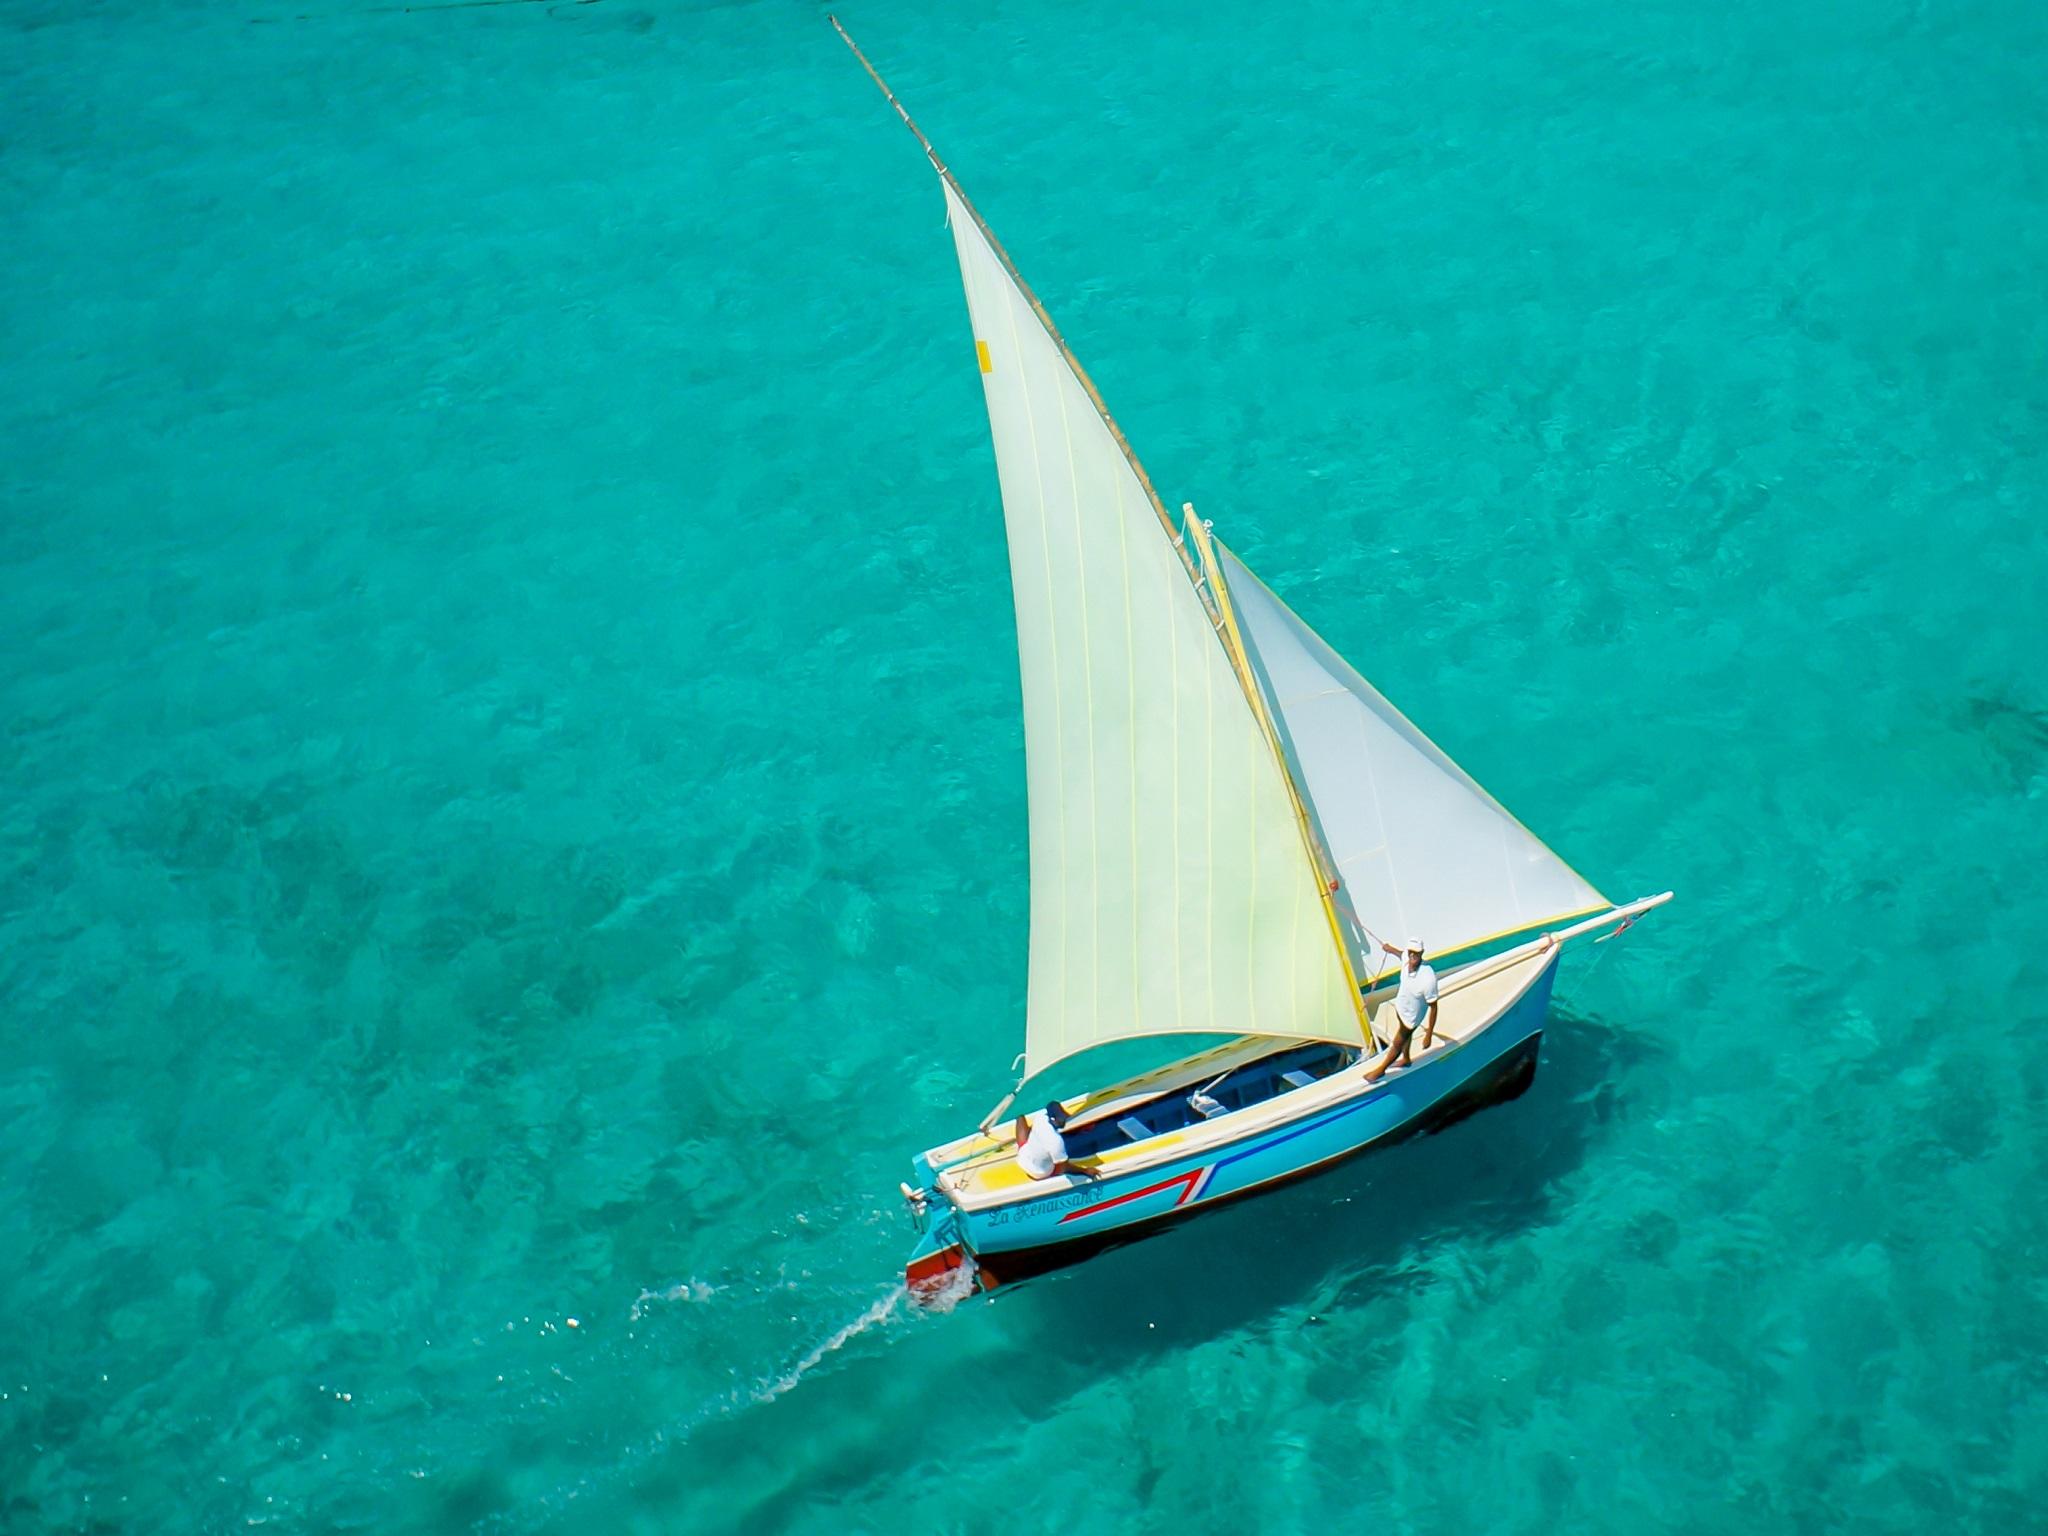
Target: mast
1327,882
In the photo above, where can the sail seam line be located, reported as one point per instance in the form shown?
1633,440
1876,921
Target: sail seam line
1180,1012
1053,637
1131,715
1209,823
1379,811
1294,948
1507,863
1251,929
1088,690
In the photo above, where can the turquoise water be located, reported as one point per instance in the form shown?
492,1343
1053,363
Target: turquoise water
511,788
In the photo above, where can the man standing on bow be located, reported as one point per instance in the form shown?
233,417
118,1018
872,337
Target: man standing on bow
1417,995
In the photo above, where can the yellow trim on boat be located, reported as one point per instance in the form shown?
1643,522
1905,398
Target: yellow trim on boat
992,1176
1241,665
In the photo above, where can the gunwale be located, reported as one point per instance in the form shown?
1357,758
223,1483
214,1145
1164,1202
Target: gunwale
991,1178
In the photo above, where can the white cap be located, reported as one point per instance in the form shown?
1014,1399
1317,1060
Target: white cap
1414,944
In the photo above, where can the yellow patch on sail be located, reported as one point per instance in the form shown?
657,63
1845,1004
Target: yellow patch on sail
981,353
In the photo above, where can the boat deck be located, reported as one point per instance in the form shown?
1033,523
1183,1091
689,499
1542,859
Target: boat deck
1253,1082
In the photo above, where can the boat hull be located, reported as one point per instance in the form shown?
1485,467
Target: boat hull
1075,1221
1503,1080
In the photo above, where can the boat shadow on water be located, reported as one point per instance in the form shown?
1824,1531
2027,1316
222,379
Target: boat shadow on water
1334,1240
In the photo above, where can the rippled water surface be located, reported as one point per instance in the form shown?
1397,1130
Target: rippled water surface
511,787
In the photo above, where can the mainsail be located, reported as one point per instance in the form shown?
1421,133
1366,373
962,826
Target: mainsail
1420,847
1171,890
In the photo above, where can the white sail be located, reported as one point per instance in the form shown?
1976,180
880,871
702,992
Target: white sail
1421,848
1170,888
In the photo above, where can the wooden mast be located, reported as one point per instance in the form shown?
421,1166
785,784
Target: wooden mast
1240,663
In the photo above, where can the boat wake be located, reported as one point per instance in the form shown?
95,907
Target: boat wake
682,1290
947,1293
883,1309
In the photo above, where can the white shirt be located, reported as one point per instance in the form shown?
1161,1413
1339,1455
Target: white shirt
1418,991
1043,1150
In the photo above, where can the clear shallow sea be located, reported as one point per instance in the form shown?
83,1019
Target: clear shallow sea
511,786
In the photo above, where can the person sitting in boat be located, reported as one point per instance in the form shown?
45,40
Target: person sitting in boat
1416,996
1041,1150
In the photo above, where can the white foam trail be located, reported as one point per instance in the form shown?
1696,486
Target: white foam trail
682,1290
877,1314
958,1285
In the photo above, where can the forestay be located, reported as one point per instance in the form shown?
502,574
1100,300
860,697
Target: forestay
1420,847
1170,888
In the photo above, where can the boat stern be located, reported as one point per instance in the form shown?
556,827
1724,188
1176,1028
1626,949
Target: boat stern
940,1272
941,1269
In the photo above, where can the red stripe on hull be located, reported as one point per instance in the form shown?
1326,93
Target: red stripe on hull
1186,1179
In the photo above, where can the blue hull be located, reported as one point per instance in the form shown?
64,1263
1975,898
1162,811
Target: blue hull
1070,1223
1507,1079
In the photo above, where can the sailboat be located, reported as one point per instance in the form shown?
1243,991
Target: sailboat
1224,817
